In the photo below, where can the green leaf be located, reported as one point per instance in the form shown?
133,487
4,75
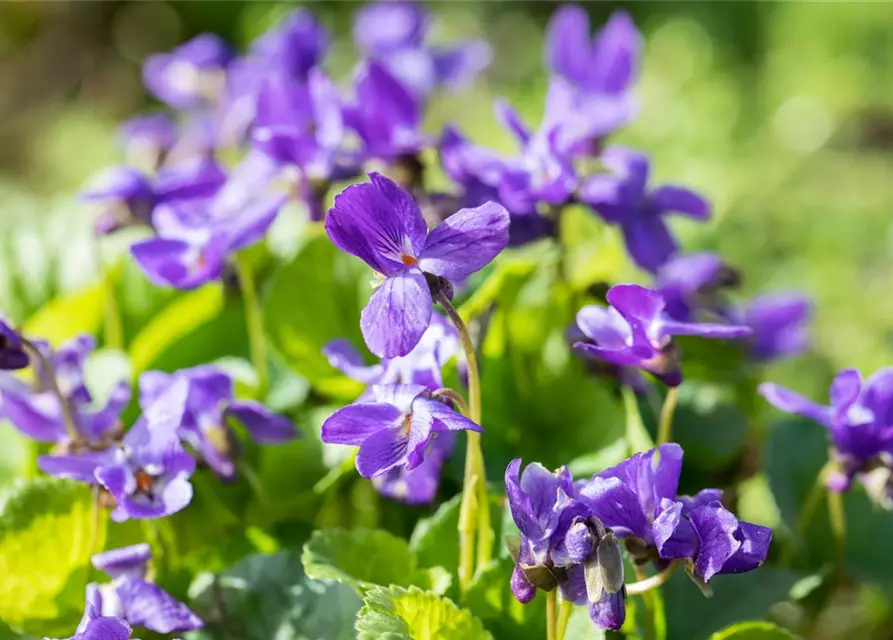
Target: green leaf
412,614
710,427
753,631
268,596
581,627
69,315
434,539
315,298
45,548
735,597
363,558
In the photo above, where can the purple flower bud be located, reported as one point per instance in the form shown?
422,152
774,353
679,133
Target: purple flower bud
579,542
522,588
12,354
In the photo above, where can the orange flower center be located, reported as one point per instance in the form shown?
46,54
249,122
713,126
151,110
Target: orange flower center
408,261
143,482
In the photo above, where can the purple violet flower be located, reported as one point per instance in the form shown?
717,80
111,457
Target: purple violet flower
132,598
95,626
148,474
418,485
12,353
622,198
381,224
693,284
210,403
422,365
393,428
780,323
635,332
191,76
35,412
859,420
637,499
195,237
393,34
296,45
146,139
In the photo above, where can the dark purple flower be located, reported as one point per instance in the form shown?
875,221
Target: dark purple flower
35,411
780,323
12,353
210,403
693,283
381,224
296,45
606,63
132,598
192,75
393,428
148,474
859,420
635,332
622,198
95,626
195,237
393,34
422,365
385,115
637,500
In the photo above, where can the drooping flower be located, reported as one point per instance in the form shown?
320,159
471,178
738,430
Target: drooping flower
130,597
381,224
192,76
393,428
196,237
859,420
148,474
95,626
126,196
12,353
636,332
34,409
637,499
622,197
563,545
423,365
393,34
210,403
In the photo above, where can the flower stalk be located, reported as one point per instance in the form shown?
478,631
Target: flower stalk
565,609
253,323
44,366
474,511
551,615
665,425
644,585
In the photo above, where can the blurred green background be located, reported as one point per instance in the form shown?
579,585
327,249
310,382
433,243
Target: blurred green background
782,113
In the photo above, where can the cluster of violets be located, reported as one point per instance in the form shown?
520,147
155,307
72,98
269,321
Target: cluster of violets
245,134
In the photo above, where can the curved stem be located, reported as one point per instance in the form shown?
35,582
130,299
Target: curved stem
551,615
649,633
647,584
49,376
665,426
453,395
564,617
474,514
254,324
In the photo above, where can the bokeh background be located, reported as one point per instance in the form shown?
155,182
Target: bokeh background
782,113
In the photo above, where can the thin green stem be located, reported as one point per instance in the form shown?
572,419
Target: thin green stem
552,614
644,585
454,396
114,331
837,516
474,513
650,632
812,501
665,426
254,324
565,609
637,437
253,481
49,376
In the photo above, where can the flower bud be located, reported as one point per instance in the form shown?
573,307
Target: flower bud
579,542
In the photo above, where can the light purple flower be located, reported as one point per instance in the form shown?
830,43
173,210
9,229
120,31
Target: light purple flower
131,597
95,626
419,485
35,411
148,474
393,428
622,197
636,332
192,75
393,34
296,45
692,284
384,114
637,499
146,139
381,224
422,365
780,323
859,420
12,353
195,237
210,403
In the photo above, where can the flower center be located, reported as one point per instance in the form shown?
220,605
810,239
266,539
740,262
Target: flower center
144,482
407,424
408,261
